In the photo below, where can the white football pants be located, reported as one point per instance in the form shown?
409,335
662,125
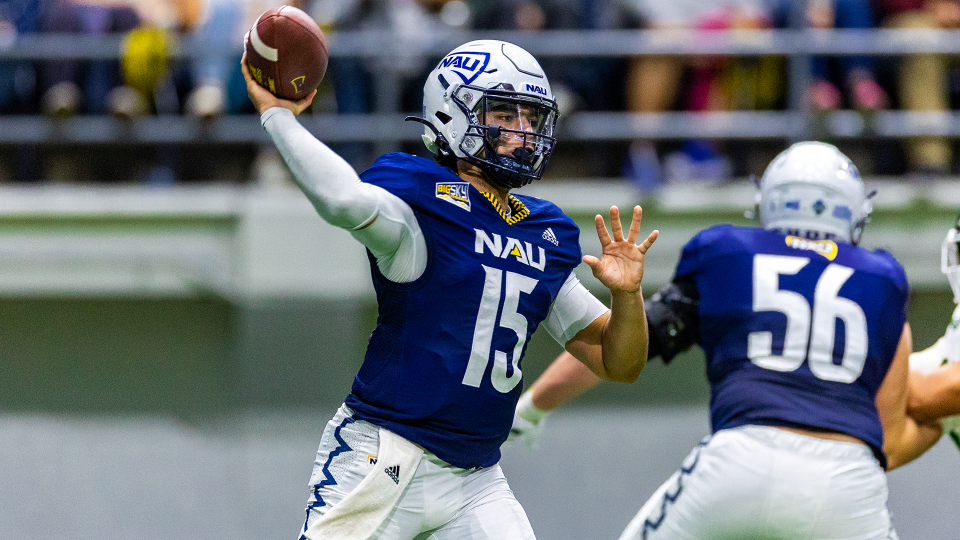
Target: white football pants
756,482
442,502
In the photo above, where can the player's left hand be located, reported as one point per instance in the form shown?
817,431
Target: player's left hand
621,267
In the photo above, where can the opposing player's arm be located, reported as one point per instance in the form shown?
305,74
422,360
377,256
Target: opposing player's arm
904,439
934,395
564,380
378,219
672,320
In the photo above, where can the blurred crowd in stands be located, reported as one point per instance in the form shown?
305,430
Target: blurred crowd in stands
146,80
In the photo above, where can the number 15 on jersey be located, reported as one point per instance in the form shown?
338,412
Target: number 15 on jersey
506,287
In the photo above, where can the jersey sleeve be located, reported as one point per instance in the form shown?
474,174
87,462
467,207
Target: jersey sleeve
572,310
395,240
400,174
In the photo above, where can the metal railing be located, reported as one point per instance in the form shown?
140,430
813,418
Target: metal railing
384,49
551,43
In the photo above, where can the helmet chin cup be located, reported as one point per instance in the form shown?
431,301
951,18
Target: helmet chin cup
522,154
814,191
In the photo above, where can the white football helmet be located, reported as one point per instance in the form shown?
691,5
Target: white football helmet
486,94
950,259
812,190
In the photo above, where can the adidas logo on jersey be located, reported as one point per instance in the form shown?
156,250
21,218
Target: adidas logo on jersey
457,193
394,473
550,237
522,251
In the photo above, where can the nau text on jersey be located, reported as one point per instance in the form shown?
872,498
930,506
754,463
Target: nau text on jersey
522,251
457,193
827,248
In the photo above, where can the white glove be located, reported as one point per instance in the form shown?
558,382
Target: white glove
527,422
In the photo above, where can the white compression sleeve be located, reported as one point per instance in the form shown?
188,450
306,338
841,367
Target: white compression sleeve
378,219
406,261
573,309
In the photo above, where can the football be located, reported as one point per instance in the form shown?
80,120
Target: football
286,52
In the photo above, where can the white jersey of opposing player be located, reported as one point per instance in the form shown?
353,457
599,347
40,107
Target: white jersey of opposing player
945,351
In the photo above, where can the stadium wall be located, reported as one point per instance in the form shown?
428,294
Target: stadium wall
190,301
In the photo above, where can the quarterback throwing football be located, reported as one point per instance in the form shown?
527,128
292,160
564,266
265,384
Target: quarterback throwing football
464,273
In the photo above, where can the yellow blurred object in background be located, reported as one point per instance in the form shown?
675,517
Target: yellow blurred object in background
143,58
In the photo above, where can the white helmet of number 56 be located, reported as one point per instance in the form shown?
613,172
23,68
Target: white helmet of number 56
813,190
460,96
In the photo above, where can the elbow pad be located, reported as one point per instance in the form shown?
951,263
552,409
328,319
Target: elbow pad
672,319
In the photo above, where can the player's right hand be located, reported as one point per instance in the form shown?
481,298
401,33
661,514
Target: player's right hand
262,98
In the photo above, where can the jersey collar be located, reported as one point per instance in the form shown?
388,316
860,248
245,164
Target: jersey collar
520,211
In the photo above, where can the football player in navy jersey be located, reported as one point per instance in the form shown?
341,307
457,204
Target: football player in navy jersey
807,349
464,273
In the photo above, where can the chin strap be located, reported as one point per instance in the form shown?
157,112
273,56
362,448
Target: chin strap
443,147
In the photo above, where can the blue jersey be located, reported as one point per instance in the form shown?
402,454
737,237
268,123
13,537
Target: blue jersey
797,333
442,367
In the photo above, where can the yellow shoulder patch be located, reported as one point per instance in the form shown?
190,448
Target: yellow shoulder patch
826,248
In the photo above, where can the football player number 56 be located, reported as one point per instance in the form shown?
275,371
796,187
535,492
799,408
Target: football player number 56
811,329
506,286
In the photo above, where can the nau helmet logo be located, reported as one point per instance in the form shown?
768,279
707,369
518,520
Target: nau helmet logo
457,193
536,89
467,65
826,248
